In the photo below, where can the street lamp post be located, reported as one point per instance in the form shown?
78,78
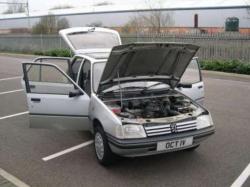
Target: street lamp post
28,14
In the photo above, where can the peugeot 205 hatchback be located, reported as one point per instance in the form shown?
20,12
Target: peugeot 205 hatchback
137,99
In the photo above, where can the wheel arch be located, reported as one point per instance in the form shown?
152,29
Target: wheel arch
97,123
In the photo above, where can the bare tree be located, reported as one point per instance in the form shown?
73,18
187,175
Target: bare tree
15,6
50,25
248,9
135,24
152,21
62,24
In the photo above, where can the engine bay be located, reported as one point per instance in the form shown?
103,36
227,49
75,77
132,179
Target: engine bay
152,106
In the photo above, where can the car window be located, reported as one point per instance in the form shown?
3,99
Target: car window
63,64
192,73
86,76
75,67
48,79
96,39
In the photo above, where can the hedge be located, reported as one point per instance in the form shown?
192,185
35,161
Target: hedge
230,66
55,53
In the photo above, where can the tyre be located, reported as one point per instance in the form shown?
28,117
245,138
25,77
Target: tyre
192,148
103,152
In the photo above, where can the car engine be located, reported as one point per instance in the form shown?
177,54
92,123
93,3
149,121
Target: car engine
152,107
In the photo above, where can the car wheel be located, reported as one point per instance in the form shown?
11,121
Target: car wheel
103,152
192,148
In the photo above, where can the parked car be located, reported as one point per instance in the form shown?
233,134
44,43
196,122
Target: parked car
137,99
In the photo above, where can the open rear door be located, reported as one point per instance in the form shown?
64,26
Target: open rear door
54,99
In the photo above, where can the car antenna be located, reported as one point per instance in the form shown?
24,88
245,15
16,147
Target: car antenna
120,88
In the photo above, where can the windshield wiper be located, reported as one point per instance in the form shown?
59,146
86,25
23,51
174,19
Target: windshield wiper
151,86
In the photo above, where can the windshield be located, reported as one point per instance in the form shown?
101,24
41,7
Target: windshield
93,40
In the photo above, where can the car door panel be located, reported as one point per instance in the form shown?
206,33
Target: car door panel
62,122
58,104
49,103
52,88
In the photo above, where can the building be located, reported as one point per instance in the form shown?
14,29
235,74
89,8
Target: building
211,16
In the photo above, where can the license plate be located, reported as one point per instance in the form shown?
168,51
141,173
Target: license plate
174,144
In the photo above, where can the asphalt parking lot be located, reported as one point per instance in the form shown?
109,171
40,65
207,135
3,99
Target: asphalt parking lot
219,161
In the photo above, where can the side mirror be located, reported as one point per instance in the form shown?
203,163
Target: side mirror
184,85
75,93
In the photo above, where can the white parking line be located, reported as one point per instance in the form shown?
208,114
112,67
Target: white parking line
14,115
12,91
11,78
242,178
67,150
12,179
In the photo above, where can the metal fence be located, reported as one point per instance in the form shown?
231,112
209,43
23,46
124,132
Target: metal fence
212,46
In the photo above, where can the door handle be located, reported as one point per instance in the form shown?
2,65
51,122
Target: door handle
36,100
199,87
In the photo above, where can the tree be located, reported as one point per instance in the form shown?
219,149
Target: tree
15,7
156,20
62,24
248,9
135,24
50,25
153,20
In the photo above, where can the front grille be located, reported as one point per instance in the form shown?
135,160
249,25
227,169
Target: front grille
156,129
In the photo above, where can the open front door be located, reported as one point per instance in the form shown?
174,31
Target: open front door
192,76
54,99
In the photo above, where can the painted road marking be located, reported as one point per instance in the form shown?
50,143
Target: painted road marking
242,178
14,115
12,179
12,91
67,150
11,78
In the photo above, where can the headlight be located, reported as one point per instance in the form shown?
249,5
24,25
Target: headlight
204,121
130,131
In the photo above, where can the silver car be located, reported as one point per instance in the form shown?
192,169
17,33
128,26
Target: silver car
137,99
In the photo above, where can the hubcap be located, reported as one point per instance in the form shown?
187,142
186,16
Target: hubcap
99,146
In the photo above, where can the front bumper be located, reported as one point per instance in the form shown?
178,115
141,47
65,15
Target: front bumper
147,146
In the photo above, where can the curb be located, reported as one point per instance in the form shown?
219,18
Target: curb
228,76
18,55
